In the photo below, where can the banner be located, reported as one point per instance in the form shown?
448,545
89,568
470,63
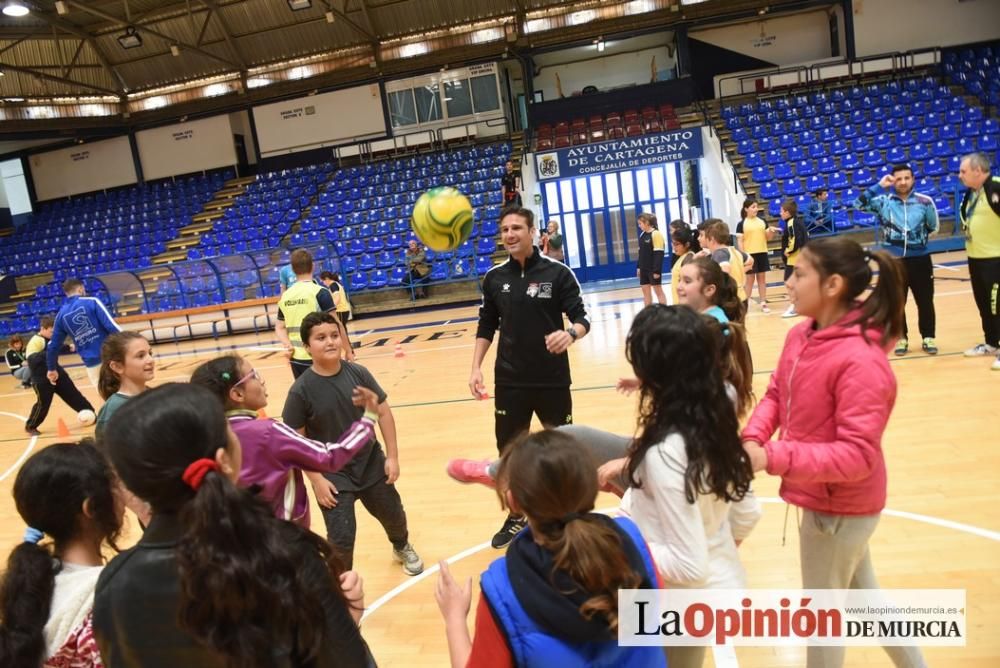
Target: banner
619,154
790,617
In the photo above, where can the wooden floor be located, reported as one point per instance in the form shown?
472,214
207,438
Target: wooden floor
943,453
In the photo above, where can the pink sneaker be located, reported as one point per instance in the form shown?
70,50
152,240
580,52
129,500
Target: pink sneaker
470,471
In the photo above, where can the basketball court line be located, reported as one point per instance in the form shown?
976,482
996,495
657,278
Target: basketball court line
724,657
27,451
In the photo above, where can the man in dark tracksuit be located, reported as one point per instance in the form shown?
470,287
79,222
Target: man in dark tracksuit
526,297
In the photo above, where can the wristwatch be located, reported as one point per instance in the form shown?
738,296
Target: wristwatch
572,332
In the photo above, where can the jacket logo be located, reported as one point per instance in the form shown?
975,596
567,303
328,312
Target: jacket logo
505,288
540,290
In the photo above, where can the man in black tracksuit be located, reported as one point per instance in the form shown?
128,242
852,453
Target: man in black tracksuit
526,297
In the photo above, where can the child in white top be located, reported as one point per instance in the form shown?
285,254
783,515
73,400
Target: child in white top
66,495
689,480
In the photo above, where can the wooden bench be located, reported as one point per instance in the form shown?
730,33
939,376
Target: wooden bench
214,316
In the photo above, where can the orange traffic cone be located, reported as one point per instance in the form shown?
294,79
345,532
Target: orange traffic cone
61,429
484,395
399,350
261,414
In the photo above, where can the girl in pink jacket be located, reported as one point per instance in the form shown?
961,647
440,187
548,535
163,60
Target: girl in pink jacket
829,401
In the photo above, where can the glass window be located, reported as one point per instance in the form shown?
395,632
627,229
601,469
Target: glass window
675,209
673,180
611,189
581,193
571,244
458,98
642,184
401,109
484,93
597,191
628,188
659,192
428,103
566,190
552,197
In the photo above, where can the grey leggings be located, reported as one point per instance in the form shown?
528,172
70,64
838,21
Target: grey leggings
602,445
833,550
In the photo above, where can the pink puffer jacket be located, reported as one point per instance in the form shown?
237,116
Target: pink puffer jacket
830,397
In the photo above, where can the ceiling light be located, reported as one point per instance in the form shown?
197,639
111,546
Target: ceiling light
299,5
2,73
600,45
130,39
61,8
330,18
14,8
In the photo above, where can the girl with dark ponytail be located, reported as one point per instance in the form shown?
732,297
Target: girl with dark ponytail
553,599
830,399
65,495
216,579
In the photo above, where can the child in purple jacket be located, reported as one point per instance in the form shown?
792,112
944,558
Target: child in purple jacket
274,455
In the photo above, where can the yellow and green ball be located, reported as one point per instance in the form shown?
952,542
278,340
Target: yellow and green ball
442,218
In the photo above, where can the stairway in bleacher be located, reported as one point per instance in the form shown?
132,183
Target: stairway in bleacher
189,236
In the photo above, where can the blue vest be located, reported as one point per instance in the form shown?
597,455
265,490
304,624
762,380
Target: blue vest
533,647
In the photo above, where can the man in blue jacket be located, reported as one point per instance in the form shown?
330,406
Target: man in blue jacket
906,220
87,321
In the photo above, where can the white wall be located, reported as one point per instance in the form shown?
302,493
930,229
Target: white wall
717,181
884,26
184,148
782,40
339,117
14,190
622,63
240,121
82,169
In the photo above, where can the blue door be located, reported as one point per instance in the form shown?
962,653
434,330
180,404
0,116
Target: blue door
598,214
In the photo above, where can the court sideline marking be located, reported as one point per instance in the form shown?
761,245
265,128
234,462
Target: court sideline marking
27,451
724,657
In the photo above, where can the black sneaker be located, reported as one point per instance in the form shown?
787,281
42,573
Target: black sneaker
511,526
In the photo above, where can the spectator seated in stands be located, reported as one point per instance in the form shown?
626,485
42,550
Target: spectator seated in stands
417,268
819,215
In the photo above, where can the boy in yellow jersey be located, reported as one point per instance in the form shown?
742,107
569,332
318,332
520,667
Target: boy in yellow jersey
297,301
732,260
753,235
793,239
980,217
44,388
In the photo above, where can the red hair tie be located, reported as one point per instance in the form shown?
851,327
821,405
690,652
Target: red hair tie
196,472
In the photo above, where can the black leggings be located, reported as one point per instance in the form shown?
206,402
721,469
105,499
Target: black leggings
920,281
514,407
44,391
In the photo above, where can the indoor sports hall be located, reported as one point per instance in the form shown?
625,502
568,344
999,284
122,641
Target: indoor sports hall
172,156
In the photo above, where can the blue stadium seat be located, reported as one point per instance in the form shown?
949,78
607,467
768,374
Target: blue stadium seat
366,262
784,170
439,271
849,161
377,279
359,281
838,180
769,190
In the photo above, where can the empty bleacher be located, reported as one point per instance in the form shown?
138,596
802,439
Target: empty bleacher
844,139
977,71
602,127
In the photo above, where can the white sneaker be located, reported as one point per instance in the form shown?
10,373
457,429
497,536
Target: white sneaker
789,313
764,308
996,364
412,563
981,350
